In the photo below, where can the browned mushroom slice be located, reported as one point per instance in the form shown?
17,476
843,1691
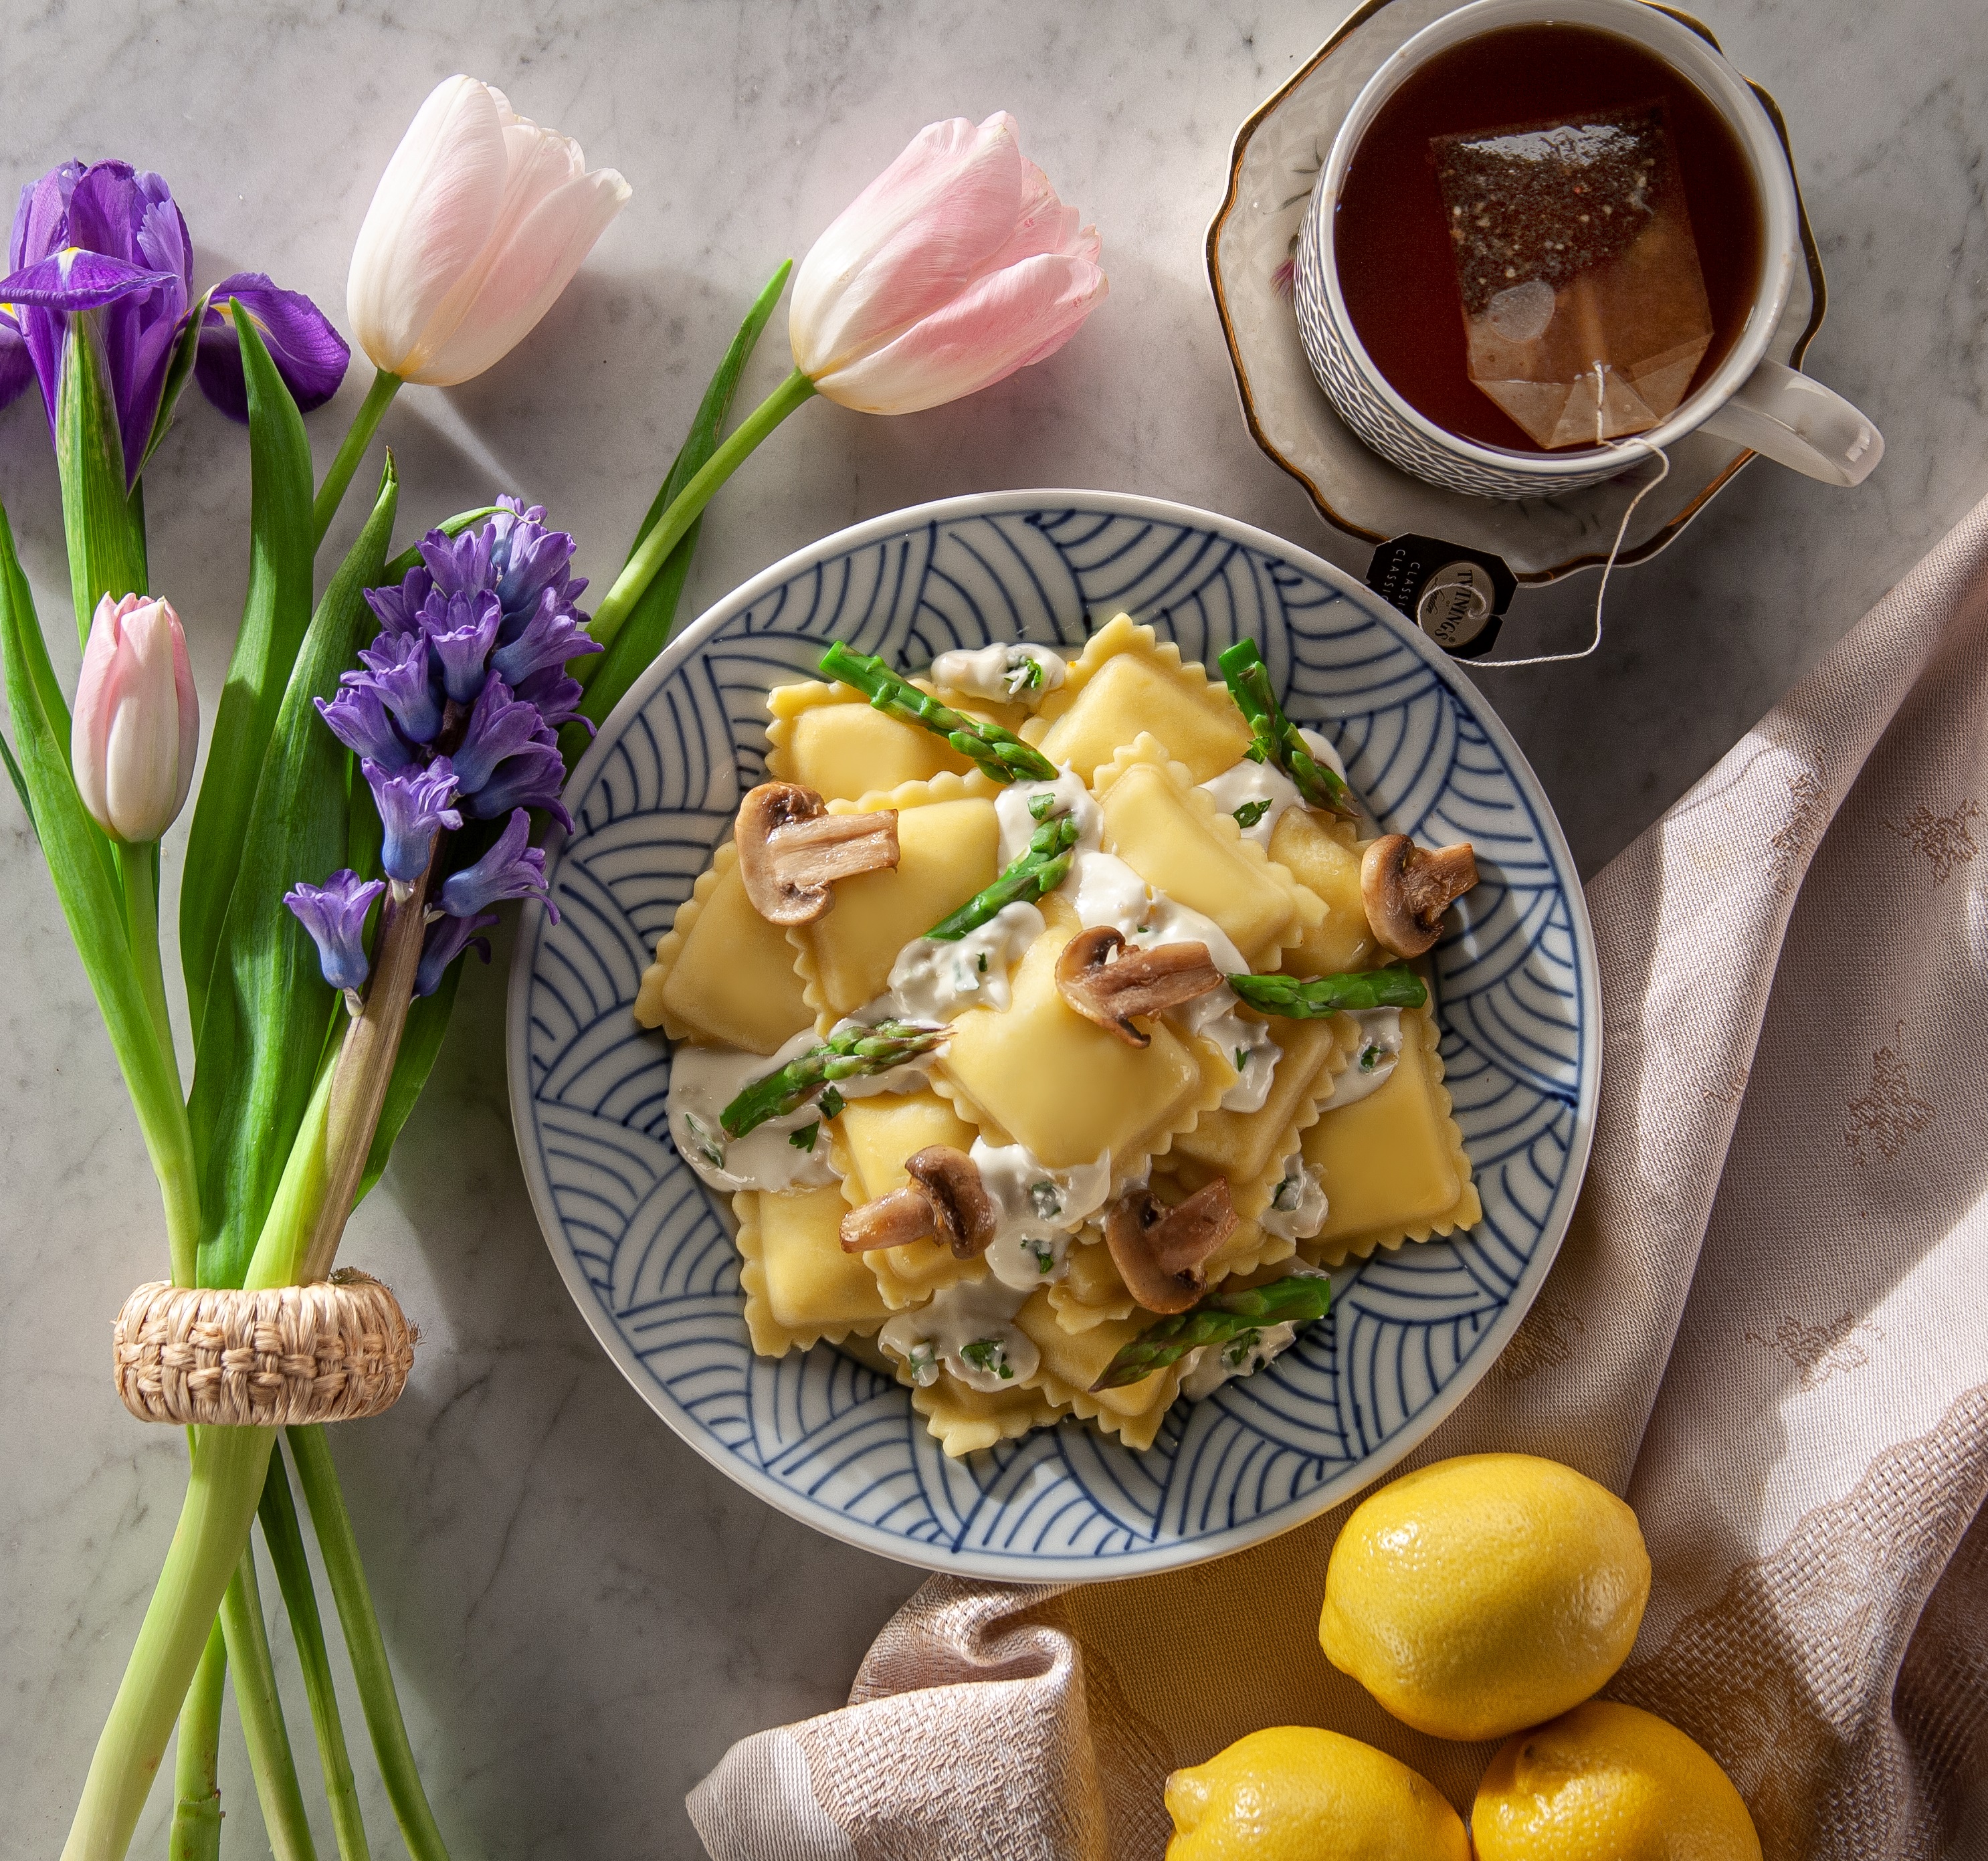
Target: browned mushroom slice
1159,1251
895,1220
1406,889
964,1215
791,850
1140,982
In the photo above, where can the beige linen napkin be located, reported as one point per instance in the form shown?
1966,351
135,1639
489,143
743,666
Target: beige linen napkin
1768,1328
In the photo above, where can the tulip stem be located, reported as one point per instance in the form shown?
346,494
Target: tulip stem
642,566
352,449
196,1832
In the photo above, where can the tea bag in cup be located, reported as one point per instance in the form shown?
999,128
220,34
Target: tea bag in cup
1583,299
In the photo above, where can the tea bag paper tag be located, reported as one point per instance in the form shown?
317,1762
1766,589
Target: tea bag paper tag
1457,596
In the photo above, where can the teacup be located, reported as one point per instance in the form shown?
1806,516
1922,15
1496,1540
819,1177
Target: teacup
1778,412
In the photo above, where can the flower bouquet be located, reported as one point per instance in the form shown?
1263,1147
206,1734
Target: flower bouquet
378,761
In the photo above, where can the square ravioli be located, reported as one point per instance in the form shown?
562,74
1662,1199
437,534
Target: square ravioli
1072,1362
949,849
800,1288
1171,834
1242,1146
1042,1075
1091,1292
963,1420
723,974
1393,1162
872,1138
830,739
1323,855
1125,682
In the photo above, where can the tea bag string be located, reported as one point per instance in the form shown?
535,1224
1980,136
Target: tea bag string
1621,530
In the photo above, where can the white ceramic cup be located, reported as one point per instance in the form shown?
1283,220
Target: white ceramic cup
1777,411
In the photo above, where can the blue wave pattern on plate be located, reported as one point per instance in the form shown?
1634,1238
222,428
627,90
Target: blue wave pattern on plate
826,1436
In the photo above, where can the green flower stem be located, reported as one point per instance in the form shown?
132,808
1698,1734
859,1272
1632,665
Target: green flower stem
352,449
655,547
196,1833
137,869
319,1478
226,1482
268,1738
284,1538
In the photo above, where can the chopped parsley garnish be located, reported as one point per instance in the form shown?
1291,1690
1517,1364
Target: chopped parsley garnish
1250,812
1288,1193
923,1363
1045,1253
803,1138
988,1355
831,1102
1370,1056
1047,1199
983,962
1024,674
1241,1057
1239,1349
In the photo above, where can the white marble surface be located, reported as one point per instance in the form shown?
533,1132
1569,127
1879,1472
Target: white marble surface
582,1613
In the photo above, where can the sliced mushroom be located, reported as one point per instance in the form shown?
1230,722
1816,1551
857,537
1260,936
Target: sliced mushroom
791,850
1406,889
964,1215
1159,1251
895,1220
1140,982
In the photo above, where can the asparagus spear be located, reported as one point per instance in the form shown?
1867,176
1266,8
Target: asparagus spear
1299,998
849,1052
1295,1301
1041,867
1276,736
1000,752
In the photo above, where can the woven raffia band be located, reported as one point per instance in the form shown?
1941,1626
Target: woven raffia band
331,1351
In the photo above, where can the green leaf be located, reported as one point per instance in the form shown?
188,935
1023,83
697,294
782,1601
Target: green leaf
20,786
79,866
420,1041
647,628
106,534
179,371
273,619
256,1060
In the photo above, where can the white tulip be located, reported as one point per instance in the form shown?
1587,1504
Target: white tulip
479,222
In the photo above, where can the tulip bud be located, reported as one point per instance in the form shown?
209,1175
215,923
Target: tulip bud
479,222
955,267
137,719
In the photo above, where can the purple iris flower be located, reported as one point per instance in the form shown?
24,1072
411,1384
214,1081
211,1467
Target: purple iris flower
359,720
461,629
446,938
413,805
498,727
509,870
334,913
309,354
400,670
109,239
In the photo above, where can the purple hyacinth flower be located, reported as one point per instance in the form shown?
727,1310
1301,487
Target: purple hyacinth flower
498,727
461,629
359,720
528,561
399,610
334,913
532,778
446,938
555,696
509,870
554,635
414,805
107,239
309,354
399,669
460,565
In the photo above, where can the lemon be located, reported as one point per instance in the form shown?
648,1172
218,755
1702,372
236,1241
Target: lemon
1294,1793
1483,1594
1609,1783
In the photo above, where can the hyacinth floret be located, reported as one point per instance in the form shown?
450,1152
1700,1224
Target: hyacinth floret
453,712
334,913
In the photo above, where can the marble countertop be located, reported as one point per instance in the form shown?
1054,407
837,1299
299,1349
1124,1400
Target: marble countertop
582,1614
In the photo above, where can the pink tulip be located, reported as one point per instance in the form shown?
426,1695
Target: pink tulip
479,222
955,267
137,719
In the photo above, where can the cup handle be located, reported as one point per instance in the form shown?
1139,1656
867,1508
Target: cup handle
1799,423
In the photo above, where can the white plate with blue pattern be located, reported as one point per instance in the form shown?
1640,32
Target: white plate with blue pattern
646,1252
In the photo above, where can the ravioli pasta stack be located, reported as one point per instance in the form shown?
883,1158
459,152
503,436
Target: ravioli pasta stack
1023,1120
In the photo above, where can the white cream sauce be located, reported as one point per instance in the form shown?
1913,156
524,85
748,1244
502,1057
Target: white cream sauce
1374,1059
970,1331
1258,792
1039,1209
934,981
1019,674
1207,1369
1020,809
1298,1206
704,1081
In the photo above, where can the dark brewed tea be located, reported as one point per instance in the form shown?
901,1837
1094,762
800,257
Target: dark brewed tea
1397,267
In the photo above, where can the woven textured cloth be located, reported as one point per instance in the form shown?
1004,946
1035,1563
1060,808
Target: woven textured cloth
1767,1329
